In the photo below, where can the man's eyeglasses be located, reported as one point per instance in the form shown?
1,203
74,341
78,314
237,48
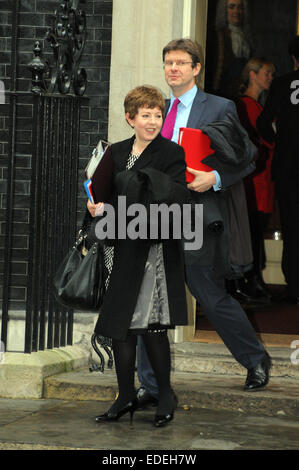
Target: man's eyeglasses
178,63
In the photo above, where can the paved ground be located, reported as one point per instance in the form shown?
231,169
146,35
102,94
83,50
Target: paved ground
214,414
69,425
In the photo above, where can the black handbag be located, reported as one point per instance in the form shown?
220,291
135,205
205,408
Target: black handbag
79,281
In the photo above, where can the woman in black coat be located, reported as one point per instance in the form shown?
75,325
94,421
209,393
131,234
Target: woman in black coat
145,287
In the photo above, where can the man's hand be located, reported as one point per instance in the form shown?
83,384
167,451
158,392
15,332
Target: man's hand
203,181
95,209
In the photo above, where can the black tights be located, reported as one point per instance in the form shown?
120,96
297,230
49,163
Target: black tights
158,351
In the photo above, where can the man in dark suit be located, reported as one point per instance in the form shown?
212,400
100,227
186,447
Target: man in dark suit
282,107
197,109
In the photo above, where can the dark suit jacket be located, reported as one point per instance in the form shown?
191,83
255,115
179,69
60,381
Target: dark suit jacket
219,248
206,109
282,105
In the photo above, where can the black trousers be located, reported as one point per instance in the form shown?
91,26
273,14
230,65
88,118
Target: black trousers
226,315
257,223
287,193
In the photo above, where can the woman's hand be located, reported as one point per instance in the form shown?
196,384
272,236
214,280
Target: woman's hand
203,181
95,209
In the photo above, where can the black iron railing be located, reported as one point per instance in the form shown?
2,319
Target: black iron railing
52,216
56,98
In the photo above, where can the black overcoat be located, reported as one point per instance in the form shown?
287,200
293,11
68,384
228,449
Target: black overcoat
166,159
282,106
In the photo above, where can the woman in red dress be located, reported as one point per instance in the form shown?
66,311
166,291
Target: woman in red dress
257,76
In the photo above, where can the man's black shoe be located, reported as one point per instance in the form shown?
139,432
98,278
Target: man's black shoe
258,376
144,399
237,290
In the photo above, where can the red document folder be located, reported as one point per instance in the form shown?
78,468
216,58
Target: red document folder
197,146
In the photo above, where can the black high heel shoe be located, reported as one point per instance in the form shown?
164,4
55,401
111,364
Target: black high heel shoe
162,420
130,407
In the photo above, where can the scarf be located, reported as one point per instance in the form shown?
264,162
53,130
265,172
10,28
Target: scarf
240,45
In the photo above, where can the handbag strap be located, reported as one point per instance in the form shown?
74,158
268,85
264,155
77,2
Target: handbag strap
87,219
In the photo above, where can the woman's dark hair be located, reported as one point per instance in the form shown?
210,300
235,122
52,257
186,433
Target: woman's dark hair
144,96
186,45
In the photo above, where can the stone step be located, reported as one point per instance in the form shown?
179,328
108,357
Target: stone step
216,359
194,390
204,376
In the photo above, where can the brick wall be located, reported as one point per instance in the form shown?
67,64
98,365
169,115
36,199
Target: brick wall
34,20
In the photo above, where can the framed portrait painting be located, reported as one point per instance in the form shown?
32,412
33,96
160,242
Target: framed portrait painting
240,29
